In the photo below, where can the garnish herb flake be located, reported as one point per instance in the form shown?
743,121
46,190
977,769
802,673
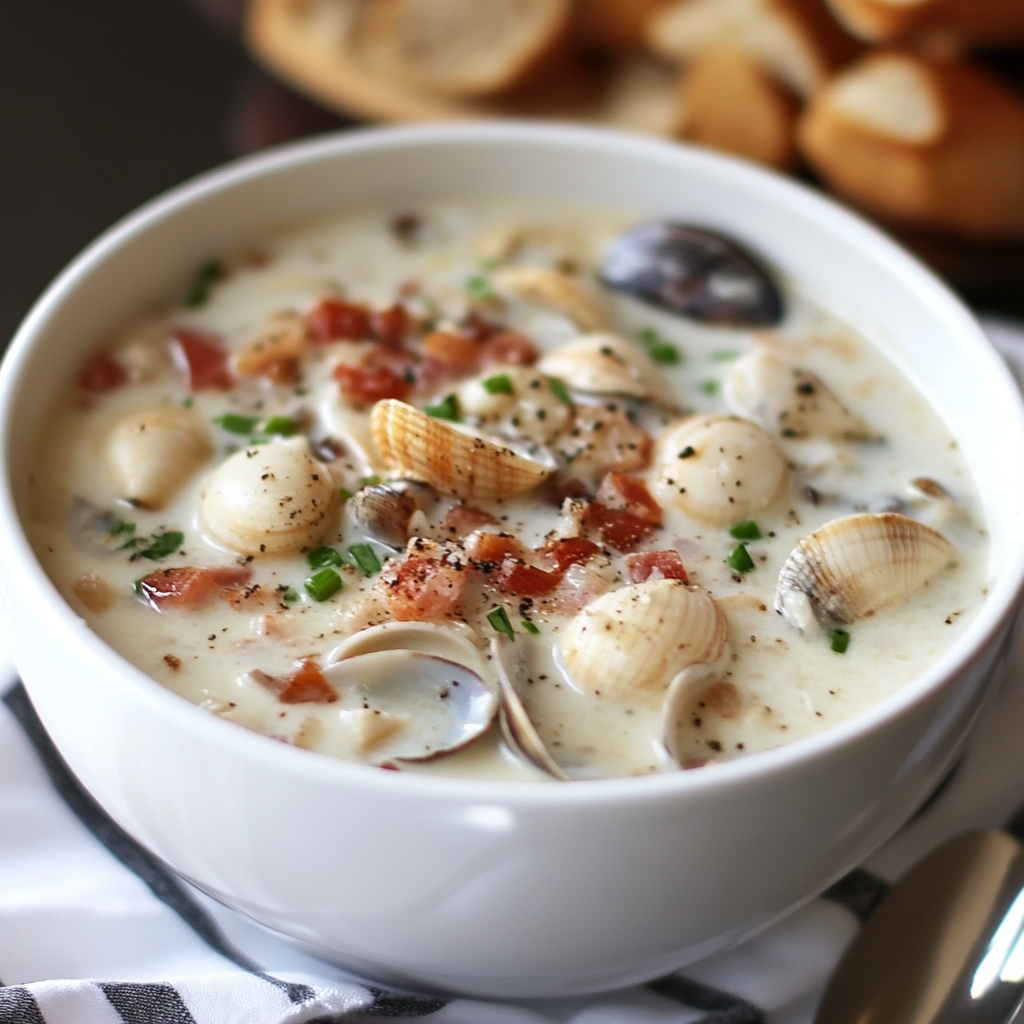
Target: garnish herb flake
499,384
235,423
446,409
479,288
202,284
710,387
163,544
283,425
498,618
747,530
530,627
839,640
366,558
739,559
559,390
368,481
121,527
660,350
325,584
319,557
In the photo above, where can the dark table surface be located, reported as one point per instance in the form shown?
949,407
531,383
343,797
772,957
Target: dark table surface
105,103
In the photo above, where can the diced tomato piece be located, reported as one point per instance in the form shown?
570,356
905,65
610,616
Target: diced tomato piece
188,586
568,551
619,529
391,325
102,373
630,494
334,320
364,385
509,348
461,520
656,565
202,359
496,547
424,589
455,350
307,685
514,576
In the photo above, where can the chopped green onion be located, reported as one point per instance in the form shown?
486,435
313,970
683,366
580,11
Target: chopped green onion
559,390
163,544
369,481
529,627
257,440
326,583
345,493
747,530
188,403
291,596
724,355
366,558
479,288
319,557
237,424
660,350
710,387
202,284
499,384
839,639
490,264
121,527
739,559
283,425
498,618
446,409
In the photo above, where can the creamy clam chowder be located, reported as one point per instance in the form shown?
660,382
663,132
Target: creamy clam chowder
507,489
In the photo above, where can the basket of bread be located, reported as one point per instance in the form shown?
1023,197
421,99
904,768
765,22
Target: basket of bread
884,101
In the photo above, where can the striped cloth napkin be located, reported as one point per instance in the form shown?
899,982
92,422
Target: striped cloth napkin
94,930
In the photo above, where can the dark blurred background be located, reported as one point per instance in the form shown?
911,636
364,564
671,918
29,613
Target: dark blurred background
105,103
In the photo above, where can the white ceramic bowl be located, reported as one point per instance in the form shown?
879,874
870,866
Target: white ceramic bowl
475,887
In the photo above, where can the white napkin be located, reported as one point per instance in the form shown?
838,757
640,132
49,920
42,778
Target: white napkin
94,931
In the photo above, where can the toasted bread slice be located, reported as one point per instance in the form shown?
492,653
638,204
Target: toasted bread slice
935,143
988,22
797,41
461,47
733,105
615,25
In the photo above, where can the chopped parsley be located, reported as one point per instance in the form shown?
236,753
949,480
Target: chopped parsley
739,559
747,530
499,384
660,350
345,493
203,280
366,558
283,425
319,557
235,423
498,618
369,481
121,527
162,544
529,627
291,596
479,288
446,409
326,583
839,640
559,390
710,387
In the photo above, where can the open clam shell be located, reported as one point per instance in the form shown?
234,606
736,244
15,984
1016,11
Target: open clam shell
679,698
454,642
517,728
385,512
421,447
554,290
605,364
853,566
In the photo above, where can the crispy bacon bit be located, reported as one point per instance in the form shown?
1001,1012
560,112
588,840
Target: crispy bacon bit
306,685
461,520
202,359
102,373
364,385
629,493
423,589
514,576
561,553
619,529
509,348
334,320
656,565
495,548
188,586
173,662
456,351
391,325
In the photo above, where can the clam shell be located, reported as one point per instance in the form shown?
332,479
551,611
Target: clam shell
640,637
719,469
855,565
517,729
384,512
790,401
420,447
555,290
606,364
678,700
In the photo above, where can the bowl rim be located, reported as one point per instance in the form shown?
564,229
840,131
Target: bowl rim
1000,605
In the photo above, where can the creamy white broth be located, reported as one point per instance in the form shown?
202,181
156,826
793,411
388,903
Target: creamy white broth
781,684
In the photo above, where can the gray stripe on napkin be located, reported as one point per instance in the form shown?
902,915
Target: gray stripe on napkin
18,1006
147,1003
725,1008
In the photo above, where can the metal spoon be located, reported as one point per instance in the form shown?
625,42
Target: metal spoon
945,946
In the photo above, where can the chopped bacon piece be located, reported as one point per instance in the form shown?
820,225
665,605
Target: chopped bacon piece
202,359
496,547
424,589
188,586
630,494
656,565
391,325
456,351
364,385
509,348
102,373
306,685
461,520
619,529
334,320
568,551
514,576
